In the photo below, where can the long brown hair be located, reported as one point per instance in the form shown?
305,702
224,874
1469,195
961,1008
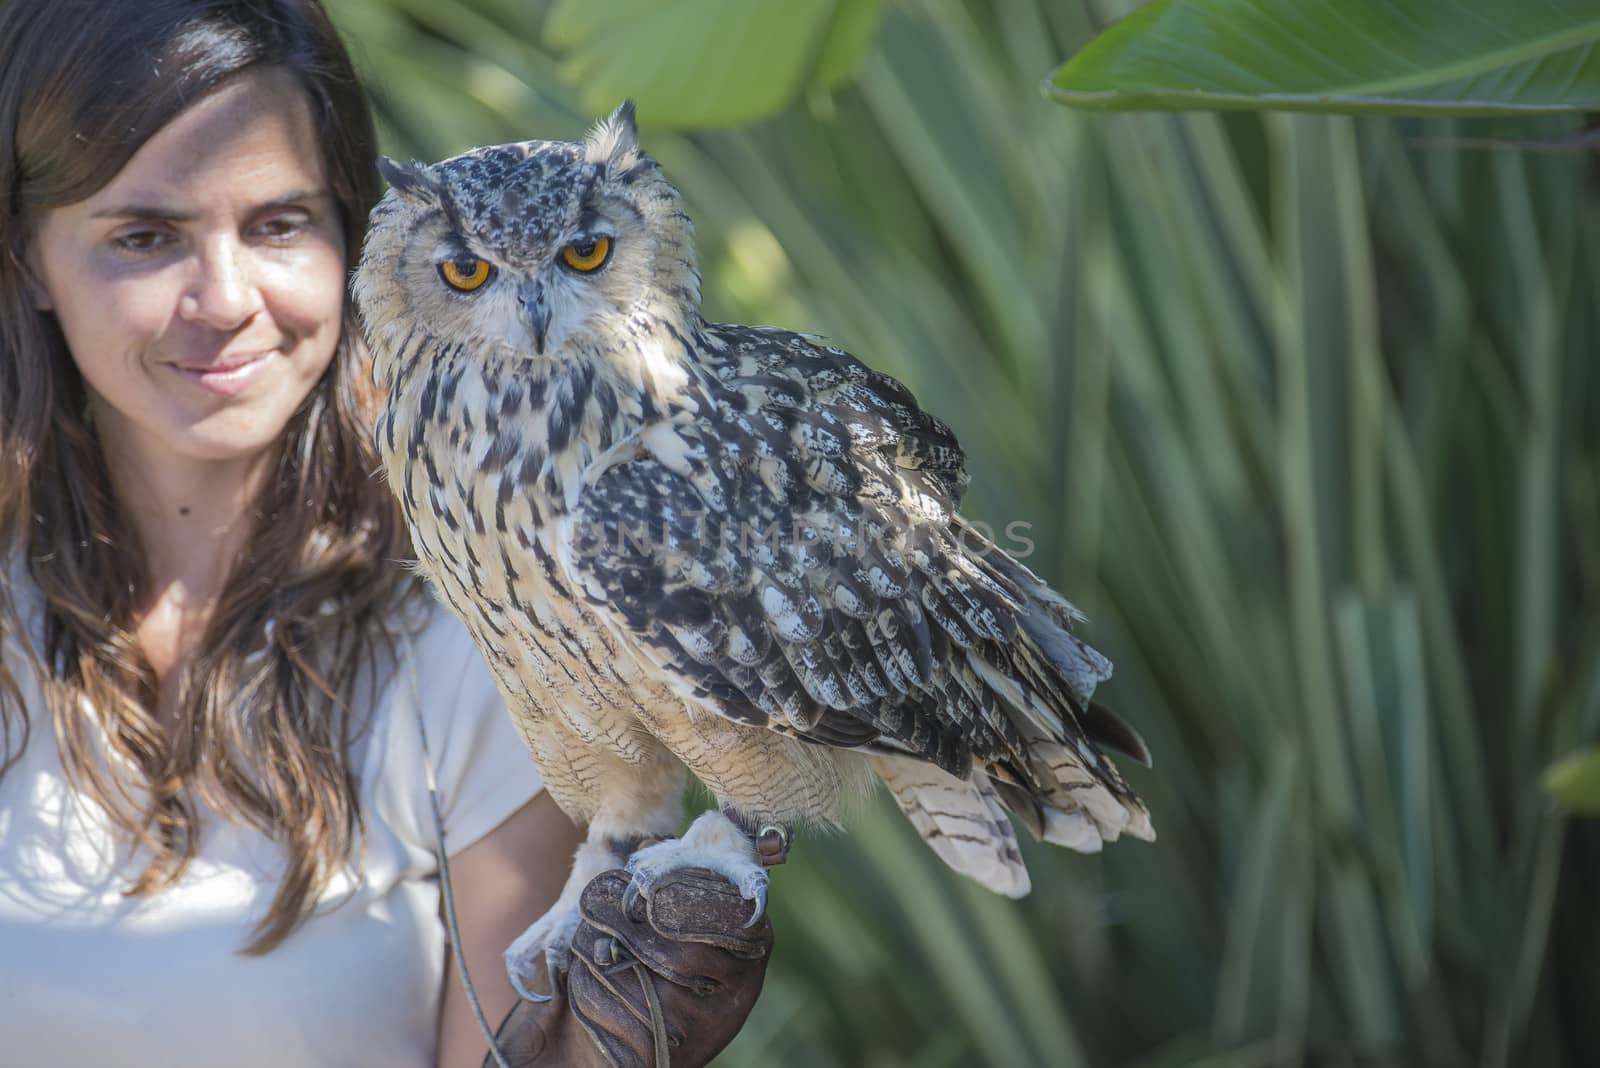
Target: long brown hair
265,729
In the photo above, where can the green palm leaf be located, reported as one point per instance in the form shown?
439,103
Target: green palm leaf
1375,56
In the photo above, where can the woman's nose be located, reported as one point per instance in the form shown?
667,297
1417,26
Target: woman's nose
223,293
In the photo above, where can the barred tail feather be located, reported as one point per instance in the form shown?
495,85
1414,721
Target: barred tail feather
1073,830
1073,793
1076,788
964,822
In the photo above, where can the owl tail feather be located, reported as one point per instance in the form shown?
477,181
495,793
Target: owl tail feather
964,822
1080,807
1077,796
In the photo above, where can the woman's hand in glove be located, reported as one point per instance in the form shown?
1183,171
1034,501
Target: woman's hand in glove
669,981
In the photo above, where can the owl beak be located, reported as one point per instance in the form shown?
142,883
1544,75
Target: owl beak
535,312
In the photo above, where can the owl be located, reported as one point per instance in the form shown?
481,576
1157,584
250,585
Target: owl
691,545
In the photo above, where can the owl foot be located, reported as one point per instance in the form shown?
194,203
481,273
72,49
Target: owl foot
550,937
712,842
551,934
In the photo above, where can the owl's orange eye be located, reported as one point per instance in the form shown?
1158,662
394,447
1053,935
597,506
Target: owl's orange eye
587,255
465,274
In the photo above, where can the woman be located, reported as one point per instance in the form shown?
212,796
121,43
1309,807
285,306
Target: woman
216,845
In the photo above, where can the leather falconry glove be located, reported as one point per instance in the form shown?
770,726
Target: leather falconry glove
652,983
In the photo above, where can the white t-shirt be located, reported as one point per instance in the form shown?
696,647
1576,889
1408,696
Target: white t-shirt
90,977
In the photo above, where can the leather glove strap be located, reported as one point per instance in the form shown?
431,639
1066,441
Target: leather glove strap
629,993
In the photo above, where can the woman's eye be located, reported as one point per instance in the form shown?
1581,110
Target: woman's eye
140,242
282,228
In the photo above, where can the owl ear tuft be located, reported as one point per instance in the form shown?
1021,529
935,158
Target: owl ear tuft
410,180
615,140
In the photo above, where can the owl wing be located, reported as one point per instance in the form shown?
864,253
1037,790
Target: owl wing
793,558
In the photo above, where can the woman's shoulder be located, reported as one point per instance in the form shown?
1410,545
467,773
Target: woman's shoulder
438,665
446,710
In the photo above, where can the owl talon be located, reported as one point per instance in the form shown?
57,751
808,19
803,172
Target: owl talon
548,940
554,966
631,906
528,995
761,906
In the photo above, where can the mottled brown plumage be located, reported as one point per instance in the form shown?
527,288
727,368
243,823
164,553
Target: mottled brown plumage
687,543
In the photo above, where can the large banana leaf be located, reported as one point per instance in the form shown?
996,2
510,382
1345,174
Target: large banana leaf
707,63
1458,57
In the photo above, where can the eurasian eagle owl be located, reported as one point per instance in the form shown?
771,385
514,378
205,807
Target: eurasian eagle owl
683,543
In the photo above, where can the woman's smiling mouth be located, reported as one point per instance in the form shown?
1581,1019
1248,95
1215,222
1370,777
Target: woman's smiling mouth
229,375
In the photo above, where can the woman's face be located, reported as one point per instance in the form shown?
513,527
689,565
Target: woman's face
201,290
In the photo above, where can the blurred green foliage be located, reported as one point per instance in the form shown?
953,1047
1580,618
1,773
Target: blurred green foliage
751,57
1398,57
1301,410
1574,781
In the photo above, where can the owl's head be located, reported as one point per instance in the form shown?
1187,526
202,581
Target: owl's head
530,250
